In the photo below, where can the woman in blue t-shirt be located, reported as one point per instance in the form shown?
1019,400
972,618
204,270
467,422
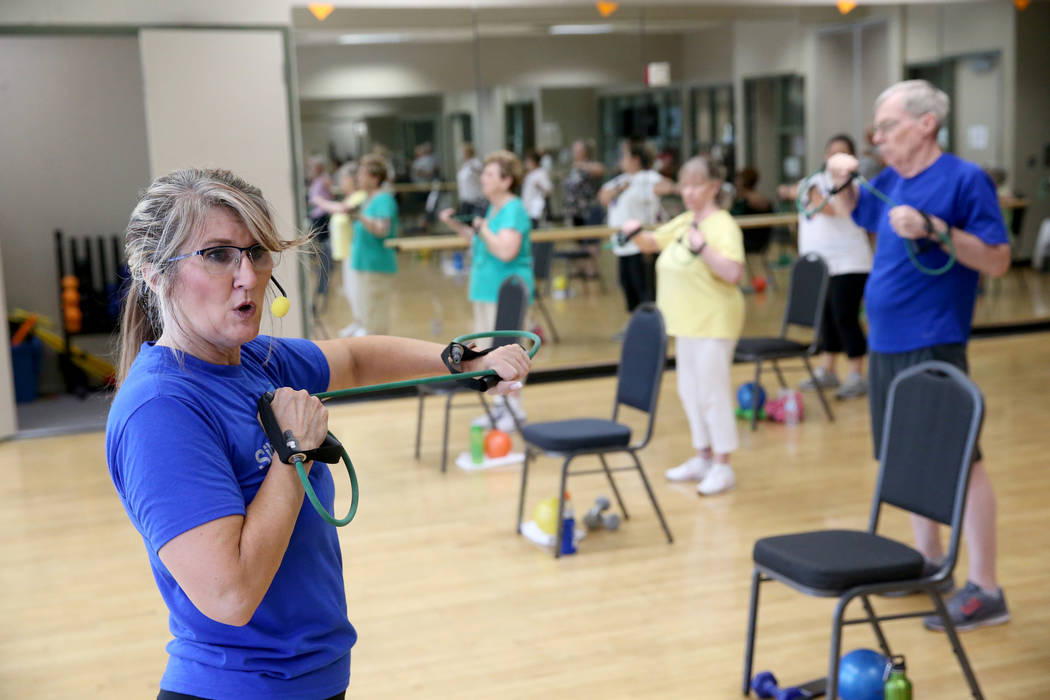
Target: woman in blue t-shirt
252,579
499,248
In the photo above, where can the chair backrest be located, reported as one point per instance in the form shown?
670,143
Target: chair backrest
933,417
642,360
542,256
510,308
806,293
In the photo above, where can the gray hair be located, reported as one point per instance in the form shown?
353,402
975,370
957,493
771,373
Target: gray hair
171,212
705,165
918,97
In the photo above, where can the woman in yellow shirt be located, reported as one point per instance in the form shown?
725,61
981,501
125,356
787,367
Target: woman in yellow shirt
700,264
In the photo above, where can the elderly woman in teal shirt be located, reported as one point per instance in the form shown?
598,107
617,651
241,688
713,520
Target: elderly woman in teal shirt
500,248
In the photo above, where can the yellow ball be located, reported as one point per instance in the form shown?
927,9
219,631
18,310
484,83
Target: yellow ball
546,515
280,307
561,283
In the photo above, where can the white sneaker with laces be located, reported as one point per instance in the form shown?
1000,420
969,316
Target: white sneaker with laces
693,469
348,331
720,478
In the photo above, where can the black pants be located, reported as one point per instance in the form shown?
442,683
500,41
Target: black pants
840,328
638,279
324,251
168,695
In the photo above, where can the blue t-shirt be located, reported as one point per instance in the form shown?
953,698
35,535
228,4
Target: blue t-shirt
368,253
907,309
184,448
487,272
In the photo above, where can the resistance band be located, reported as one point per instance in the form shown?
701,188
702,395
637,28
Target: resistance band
331,450
911,246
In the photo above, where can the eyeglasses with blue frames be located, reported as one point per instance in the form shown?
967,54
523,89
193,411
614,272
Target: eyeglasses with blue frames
226,259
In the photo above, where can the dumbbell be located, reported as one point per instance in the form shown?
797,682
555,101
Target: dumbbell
595,518
765,686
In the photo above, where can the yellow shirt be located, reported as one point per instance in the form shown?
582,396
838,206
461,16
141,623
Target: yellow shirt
694,301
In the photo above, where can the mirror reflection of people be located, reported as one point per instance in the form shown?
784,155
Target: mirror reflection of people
368,277
250,574
535,189
320,188
697,276
468,184
845,248
500,248
912,316
634,195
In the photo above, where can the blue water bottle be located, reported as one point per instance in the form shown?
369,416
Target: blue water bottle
568,528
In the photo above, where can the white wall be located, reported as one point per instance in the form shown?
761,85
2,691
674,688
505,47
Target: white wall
235,118
706,56
74,152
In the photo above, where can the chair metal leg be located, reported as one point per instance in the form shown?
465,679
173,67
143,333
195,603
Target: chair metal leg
547,317
953,638
444,438
780,376
820,390
754,396
561,506
419,422
652,497
752,621
874,620
612,484
521,492
836,647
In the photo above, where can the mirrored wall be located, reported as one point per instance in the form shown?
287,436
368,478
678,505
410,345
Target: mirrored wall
762,87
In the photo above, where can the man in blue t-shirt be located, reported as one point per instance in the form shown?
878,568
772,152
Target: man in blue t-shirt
916,316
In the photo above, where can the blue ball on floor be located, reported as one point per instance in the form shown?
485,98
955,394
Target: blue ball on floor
745,393
860,675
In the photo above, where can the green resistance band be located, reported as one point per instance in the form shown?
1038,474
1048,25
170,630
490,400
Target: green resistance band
343,393
912,248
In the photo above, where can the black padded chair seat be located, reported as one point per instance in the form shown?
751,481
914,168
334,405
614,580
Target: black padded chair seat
750,349
837,560
576,434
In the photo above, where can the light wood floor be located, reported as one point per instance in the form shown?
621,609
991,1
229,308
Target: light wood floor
429,304
449,603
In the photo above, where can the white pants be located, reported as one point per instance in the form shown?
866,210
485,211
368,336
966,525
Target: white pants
369,297
705,388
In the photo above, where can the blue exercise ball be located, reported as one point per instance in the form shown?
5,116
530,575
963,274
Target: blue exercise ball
860,675
745,393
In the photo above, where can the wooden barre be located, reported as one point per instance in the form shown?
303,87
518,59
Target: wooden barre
575,233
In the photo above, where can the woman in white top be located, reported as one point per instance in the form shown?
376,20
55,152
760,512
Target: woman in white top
634,195
847,250
535,189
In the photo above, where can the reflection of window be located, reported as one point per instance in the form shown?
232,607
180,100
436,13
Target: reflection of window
713,115
653,115
775,123
521,127
973,84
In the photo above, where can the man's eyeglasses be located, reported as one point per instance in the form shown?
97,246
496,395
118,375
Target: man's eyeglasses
225,259
886,126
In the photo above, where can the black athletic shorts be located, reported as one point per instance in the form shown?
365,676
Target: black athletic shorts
883,367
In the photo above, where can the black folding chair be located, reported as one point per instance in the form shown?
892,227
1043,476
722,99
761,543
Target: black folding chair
542,257
642,360
933,417
511,305
805,307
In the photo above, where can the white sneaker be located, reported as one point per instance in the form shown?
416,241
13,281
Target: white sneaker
503,419
693,469
349,331
720,478
360,331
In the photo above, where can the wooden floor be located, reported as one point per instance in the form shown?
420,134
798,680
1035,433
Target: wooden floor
450,603
429,304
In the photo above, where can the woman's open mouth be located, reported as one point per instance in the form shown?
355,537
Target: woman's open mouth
245,310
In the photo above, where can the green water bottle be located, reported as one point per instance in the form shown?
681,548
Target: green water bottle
477,444
897,686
